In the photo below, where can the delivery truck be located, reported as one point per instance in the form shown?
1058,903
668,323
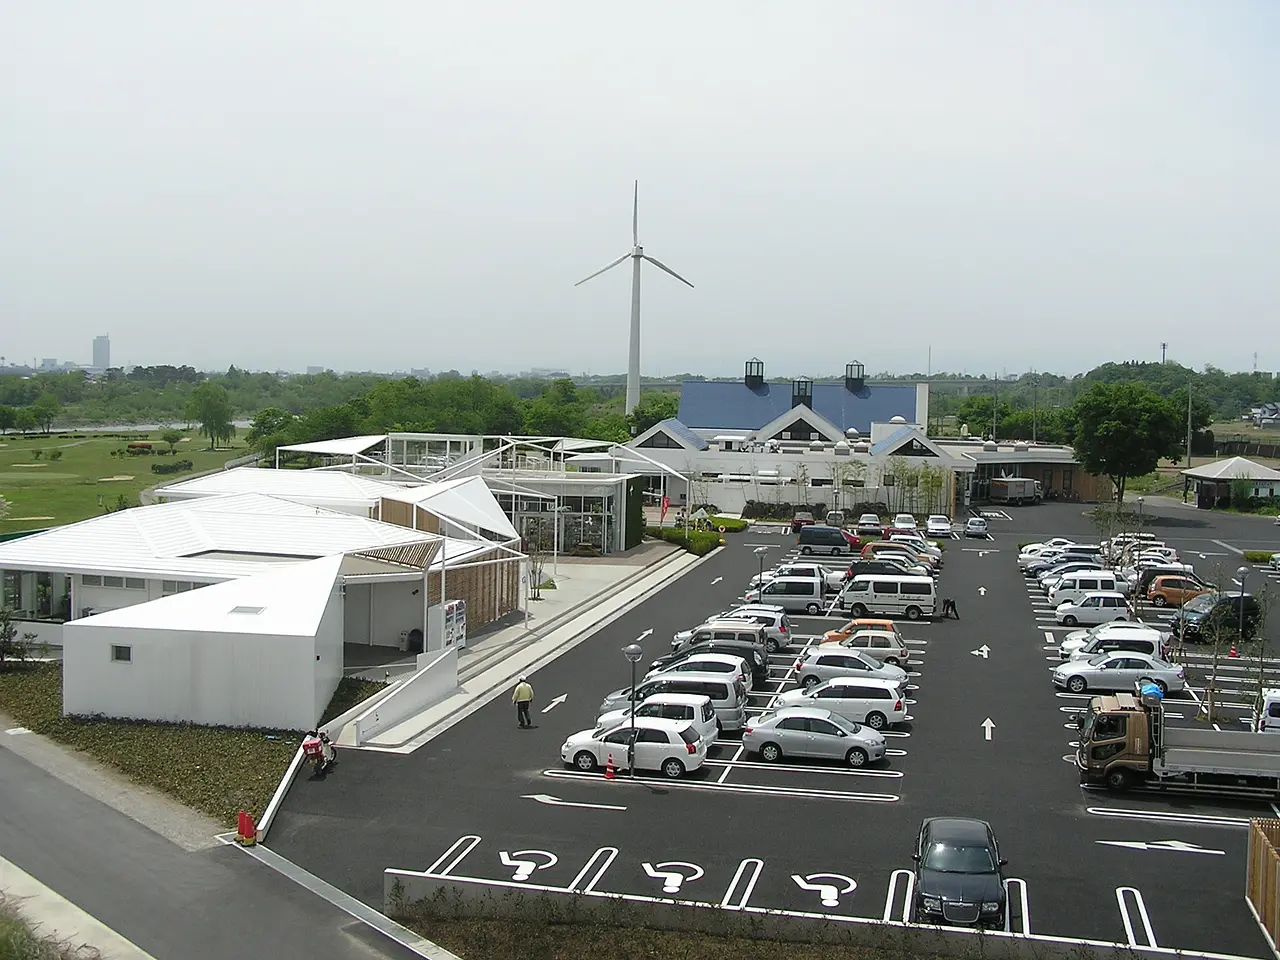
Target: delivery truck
1016,490
1126,744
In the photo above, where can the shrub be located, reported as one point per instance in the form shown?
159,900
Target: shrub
698,544
730,524
37,453
1258,556
56,455
176,466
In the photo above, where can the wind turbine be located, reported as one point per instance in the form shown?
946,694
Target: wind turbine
636,255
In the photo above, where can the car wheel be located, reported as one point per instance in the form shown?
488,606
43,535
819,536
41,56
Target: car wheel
858,611
672,769
771,645
893,661
1159,600
1069,620
809,682
771,753
812,609
584,761
835,551
876,721
913,613
1077,684
806,550
1118,779
856,757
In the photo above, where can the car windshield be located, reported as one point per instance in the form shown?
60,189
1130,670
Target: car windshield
950,858
1094,661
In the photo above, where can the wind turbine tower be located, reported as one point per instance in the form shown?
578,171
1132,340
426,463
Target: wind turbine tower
635,256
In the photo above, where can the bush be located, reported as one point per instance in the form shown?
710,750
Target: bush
1258,556
762,510
699,544
56,455
176,467
730,524
37,453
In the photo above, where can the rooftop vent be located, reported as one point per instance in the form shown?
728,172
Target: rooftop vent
248,610
898,419
862,447
853,376
802,392
990,446
817,445
841,448
1020,447
852,433
754,375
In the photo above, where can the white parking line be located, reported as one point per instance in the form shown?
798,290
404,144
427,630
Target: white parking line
799,768
1125,895
804,793
1161,816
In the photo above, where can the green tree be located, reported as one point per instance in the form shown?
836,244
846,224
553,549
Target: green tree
45,410
653,408
267,423
8,418
558,412
1123,430
25,420
210,407
172,437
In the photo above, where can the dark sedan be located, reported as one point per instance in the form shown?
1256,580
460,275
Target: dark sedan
959,879
801,519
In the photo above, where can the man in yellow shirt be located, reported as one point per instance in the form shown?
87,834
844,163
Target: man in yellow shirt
522,697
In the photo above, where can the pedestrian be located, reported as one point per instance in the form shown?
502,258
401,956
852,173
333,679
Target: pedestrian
949,609
522,696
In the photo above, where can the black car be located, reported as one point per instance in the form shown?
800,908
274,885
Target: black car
959,879
753,653
1200,618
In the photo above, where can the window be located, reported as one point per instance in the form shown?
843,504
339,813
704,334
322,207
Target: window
880,643
708,712
793,723
1273,709
91,580
884,586
135,583
620,736
824,727
113,581
652,736
1066,479
1107,750
1110,727
1086,584
918,589
121,654
660,440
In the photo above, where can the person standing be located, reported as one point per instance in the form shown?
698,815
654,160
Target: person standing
522,697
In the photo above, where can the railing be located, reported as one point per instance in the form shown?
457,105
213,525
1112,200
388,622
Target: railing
242,461
1262,877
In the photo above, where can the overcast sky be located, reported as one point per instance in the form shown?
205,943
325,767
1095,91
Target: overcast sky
1019,185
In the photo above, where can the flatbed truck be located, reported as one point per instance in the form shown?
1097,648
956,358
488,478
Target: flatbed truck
1015,490
1126,744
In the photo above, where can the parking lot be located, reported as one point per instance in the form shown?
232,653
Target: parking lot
491,805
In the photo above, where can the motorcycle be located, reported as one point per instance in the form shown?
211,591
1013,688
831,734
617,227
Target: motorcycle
319,750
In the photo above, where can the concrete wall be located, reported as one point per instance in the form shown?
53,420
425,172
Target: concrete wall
431,684
394,608
356,612
327,648
218,679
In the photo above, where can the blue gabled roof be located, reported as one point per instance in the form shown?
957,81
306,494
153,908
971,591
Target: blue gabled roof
892,441
676,429
732,405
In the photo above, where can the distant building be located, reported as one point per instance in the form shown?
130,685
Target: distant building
49,363
102,352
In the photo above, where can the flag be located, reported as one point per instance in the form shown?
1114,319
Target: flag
666,502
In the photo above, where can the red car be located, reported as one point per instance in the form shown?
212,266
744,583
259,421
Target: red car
801,519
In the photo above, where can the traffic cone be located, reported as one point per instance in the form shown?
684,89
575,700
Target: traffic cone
1233,652
246,829
610,772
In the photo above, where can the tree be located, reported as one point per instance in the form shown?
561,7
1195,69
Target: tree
210,407
653,408
45,410
11,648
267,423
1123,430
25,420
8,418
172,437
557,413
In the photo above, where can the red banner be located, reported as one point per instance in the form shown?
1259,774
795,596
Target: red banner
666,502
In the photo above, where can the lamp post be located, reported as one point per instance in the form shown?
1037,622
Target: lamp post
633,653
1137,596
1243,574
760,552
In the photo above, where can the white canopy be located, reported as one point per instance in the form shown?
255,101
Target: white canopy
343,447
464,500
1232,469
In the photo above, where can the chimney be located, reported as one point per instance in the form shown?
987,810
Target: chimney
802,393
853,377
754,376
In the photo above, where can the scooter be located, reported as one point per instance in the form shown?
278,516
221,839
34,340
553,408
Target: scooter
319,749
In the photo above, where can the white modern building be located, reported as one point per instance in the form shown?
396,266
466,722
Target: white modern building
260,651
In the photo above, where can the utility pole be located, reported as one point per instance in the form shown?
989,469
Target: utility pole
1035,402
995,405
1187,482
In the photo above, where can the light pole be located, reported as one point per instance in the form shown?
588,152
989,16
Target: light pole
633,653
760,552
1137,596
1243,574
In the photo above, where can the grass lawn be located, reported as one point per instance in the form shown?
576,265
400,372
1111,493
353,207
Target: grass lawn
213,769
19,942
44,493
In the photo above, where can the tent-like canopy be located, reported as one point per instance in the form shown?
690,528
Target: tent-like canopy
464,500
343,447
1232,469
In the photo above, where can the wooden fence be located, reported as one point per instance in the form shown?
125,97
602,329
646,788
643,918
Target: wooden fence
1262,877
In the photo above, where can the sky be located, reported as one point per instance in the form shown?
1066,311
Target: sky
950,186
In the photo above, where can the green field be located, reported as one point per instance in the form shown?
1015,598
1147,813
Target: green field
42,492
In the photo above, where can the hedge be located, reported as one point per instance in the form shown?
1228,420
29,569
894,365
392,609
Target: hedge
730,524
1258,556
696,543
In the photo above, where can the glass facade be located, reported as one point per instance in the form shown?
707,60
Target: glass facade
590,520
36,596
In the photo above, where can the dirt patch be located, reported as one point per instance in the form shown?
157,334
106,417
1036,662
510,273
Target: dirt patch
28,466
16,519
110,479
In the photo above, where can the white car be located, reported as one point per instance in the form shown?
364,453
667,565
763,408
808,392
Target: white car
938,526
1118,671
904,521
1035,549
1275,557
1077,639
687,707
877,703
975,527
1027,558
1103,606
670,746
721,663
918,543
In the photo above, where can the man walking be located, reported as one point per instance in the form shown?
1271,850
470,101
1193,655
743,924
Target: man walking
522,697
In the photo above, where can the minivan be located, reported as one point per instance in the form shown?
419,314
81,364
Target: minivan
793,594
1148,642
823,539
777,628
1075,585
877,703
913,597
1203,616
811,570
728,696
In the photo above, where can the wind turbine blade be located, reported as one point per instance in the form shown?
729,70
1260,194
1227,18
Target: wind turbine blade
635,217
662,266
625,256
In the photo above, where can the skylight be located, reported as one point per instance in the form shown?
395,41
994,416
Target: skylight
248,610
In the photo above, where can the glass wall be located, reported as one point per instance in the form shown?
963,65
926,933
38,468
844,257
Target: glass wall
36,596
583,520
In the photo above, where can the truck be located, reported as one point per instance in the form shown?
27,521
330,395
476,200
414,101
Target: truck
1126,744
1016,490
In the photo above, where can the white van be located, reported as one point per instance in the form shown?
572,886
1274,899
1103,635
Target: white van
728,696
1269,721
793,594
867,593
1075,585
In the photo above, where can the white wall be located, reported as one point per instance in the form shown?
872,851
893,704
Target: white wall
428,686
395,608
327,648
217,679
356,613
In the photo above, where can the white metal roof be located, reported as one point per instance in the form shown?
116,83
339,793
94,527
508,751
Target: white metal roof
304,486
240,535
287,602
1231,469
344,447
464,500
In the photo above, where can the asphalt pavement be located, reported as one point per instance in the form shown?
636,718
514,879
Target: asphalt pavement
484,802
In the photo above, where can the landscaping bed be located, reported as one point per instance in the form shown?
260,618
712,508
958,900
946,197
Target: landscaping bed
19,942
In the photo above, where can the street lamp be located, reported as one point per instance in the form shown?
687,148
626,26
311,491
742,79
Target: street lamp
760,552
633,653
1137,596
1243,574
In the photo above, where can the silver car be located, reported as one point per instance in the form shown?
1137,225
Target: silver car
830,660
1118,671
810,732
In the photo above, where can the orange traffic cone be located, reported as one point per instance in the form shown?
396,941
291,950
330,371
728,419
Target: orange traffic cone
610,772
246,829
1233,652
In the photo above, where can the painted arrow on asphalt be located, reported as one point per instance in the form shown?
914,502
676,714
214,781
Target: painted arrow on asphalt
557,802
984,652
716,580
555,703
1176,846
982,591
643,635
987,726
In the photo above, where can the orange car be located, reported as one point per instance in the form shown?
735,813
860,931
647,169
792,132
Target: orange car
1173,591
859,623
